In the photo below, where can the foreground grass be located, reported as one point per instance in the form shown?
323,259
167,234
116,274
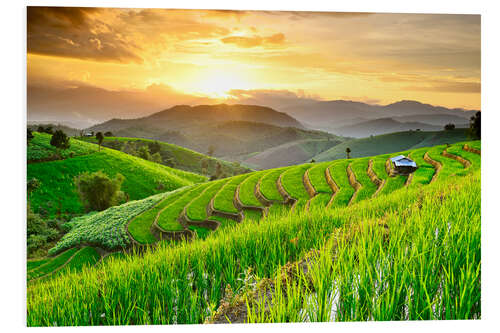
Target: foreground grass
184,283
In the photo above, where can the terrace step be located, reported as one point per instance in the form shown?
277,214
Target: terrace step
335,188
472,150
457,158
374,178
354,183
437,166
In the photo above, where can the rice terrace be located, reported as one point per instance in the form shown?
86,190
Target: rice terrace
212,203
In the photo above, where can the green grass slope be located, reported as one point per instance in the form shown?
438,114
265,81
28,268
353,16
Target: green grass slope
39,148
183,158
142,178
391,143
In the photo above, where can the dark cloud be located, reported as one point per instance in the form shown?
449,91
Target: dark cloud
73,32
254,41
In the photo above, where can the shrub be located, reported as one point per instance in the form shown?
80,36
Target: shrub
449,127
60,140
97,191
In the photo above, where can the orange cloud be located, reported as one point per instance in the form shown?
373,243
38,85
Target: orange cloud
254,41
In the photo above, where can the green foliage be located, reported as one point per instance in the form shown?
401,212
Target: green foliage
475,126
338,171
141,179
197,209
449,127
268,184
223,200
423,175
97,191
108,133
60,140
38,231
360,167
431,256
51,265
106,229
247,190
39,148
168,218
29,135
140,226
292,181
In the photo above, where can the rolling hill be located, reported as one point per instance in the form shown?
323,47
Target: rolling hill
175,156
346,209
388,143
57,195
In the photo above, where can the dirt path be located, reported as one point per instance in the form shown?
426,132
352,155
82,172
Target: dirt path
335,188
437,166
354,183
374,178
460,159
472,150
309,188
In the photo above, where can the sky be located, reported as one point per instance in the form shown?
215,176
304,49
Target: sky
110,62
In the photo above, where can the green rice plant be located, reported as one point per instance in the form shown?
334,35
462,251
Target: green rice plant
449,166
223,200
201,232
106,229
293,183
51,265
318,178
475,144
391,183
196,210
423,175
473,158
168,218
191,277
338,171
85,257
247,188
140,227
368,188
268,186
32,264
142,179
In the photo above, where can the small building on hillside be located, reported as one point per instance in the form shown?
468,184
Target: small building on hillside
403,165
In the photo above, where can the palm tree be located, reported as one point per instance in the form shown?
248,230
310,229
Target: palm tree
348,152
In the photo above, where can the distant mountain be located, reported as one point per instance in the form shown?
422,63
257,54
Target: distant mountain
382,126
189,119
332,115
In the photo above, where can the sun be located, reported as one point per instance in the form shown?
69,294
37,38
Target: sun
218,83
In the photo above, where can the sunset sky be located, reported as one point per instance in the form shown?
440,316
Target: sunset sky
191,56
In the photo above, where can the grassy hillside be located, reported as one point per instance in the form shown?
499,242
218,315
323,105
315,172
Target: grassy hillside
423,242
39,149
176,156
295,152
390,143
142,178
209,205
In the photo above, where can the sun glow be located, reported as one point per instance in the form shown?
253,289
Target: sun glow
217,84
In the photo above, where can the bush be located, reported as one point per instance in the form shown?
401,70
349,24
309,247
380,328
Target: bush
60,140
449,127
39,232
97,191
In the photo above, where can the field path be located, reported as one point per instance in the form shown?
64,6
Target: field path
354,183
437,166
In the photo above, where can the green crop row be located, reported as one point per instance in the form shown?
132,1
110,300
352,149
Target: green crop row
268,185
140,227
425,171
106,229
168,218
197,209
223,200
428,269
293,182
51,265
318,178
360,169
338,171
39,148
247,190
449,166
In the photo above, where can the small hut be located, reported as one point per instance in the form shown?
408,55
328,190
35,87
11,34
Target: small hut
403,165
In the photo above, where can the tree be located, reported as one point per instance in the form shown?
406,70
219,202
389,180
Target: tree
348,152
40,129
313,160
60,140
143,152
97,191
99,138
154,147
449,127
30,135
475,126
204,166
108,133
49,130
156,157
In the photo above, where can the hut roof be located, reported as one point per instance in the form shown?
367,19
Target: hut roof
402,160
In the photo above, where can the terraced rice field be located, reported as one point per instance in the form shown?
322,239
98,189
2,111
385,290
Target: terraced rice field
198,210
